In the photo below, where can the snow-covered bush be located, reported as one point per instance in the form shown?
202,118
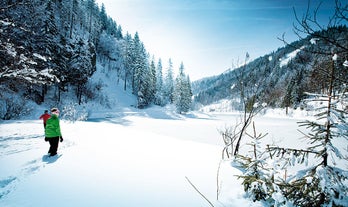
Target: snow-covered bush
257,177
12,105
73,112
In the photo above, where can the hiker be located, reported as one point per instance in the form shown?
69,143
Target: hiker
52,132
44,117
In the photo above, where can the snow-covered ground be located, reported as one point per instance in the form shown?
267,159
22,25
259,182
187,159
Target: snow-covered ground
127,157
130,158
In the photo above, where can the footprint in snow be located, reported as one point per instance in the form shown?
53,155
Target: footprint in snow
5,186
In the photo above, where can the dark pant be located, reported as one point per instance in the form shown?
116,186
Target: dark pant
53,145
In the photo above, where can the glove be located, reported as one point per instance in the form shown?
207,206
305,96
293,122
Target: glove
46,139
61,139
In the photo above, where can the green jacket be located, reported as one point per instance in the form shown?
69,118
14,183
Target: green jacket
52,127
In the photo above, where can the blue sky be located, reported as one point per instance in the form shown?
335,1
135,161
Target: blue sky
209,36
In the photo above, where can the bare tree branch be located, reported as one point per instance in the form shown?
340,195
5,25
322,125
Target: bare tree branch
309,25
205,198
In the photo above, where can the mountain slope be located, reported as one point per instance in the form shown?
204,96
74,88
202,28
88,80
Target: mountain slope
280,78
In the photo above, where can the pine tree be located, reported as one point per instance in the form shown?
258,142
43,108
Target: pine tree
82,65
135,63
169,83
327,180
119,34
287,100
141,73
159,97
152,81
128,57
257,179
323,183
103,18
182,92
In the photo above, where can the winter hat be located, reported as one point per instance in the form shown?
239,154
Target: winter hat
46,111
55,111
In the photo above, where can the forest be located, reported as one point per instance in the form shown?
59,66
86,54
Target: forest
283,78
48,48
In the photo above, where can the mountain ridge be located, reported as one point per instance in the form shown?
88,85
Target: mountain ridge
288,71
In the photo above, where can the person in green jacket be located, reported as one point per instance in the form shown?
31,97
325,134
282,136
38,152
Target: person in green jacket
52,132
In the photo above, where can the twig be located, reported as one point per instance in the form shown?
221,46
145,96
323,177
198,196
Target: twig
272,148
188,180
217,181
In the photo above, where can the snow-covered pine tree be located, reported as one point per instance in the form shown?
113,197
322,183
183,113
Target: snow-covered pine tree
187,96
323,183
103,18
169,83
142,78
95,26
81,65
139,66
151,90
127,57
159,96
189,90
182,92
136,62
257,180
328,133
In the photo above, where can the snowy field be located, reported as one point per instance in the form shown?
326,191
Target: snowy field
132,158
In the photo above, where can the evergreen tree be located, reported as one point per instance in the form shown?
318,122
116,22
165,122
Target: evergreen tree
72,15
141,72
288,100
135,62
127,58
169,83
189,90
323,183
257,179
152,81
103,18
327,181
94,23
182,92
82,65
159,97
119,34
49,34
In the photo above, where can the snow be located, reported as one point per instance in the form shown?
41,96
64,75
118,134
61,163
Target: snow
345,63
40,57
128,157
284,61
138,158
314,41
10,50
334,57
5,23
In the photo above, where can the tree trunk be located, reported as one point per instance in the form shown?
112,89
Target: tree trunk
328,123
